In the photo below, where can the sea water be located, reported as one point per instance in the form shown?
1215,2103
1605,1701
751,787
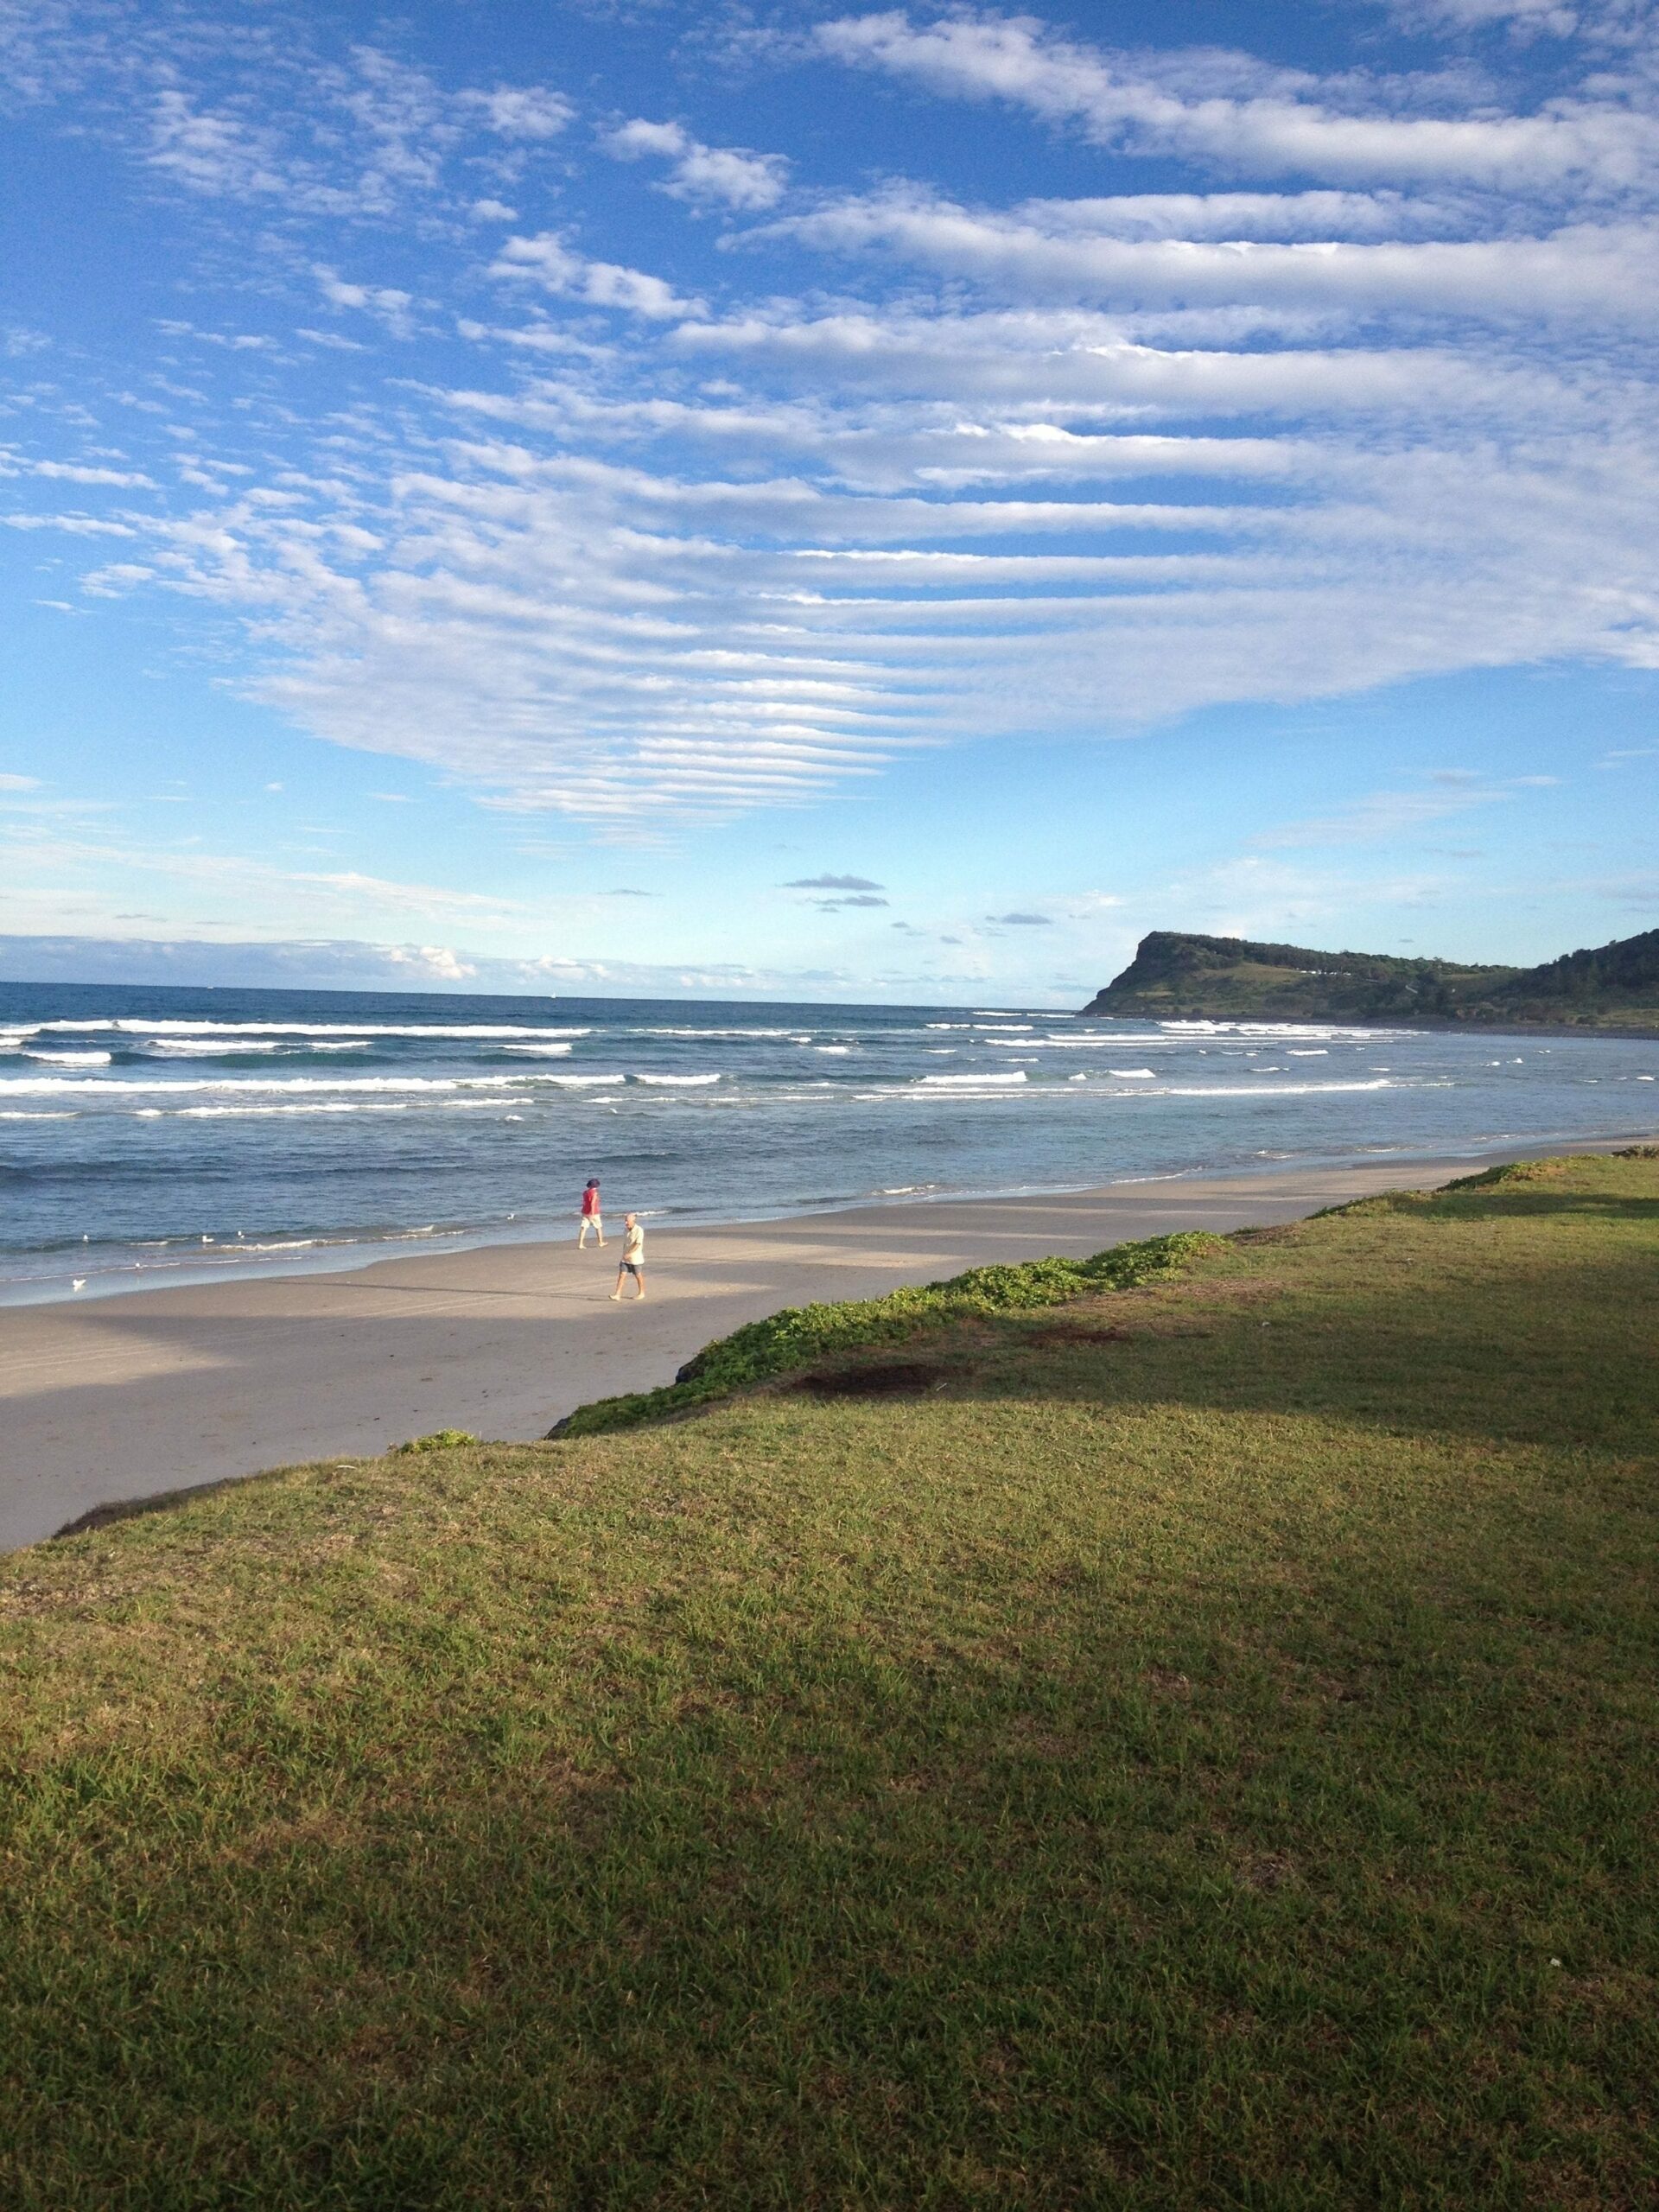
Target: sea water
155,1136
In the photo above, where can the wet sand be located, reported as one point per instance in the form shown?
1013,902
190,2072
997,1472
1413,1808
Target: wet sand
124,1397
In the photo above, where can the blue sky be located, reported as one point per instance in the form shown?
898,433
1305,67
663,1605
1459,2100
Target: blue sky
823,503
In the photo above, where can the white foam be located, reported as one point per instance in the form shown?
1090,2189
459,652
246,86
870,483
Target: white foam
113,1090
1134,1075
832,1048
131,1026
249,1113
67,1060
676,1082
540,1052
1105,1044
1281,1029
970,1082
1268,1089
190,1048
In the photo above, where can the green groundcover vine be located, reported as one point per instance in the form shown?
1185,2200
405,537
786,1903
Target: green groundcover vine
800,1334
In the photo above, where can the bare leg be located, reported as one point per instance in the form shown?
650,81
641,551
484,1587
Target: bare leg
640,1280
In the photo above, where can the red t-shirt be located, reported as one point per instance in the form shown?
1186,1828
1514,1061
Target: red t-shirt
590,1201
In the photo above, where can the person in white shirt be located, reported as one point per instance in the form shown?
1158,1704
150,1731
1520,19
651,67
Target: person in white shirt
632,1262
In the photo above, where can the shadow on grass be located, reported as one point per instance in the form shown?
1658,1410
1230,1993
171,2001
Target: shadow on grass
1554,1344
1536,1202
160,1501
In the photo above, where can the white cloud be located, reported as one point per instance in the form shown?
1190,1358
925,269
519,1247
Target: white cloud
1382,817
47,872
546,260
1059,364
730,174
211,153
330,339
382,301
1523,17
71,525
1584,272
65,472
524,111
432,963
1230,109
404,124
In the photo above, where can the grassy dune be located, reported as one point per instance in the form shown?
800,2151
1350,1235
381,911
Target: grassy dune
1193,1746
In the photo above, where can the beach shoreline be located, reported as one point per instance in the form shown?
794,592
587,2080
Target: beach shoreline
110,1401
347,1253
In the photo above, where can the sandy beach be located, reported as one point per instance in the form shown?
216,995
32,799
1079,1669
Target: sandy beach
127,1397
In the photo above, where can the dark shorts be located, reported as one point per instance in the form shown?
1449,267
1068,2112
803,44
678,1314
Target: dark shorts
630,1267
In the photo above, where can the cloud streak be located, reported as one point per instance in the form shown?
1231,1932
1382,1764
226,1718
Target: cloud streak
730,176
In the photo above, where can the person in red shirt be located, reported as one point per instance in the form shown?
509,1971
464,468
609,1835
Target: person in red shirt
591,1216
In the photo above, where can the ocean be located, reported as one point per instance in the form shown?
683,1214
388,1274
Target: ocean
164,1135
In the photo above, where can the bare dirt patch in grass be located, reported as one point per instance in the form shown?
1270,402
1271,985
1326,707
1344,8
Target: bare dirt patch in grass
890,1378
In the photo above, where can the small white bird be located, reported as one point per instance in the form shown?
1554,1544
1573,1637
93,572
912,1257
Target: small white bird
77,1283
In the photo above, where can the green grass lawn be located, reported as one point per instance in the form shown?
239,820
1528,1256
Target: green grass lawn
1193,1746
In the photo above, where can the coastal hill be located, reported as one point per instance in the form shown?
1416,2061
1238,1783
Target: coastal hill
1175,976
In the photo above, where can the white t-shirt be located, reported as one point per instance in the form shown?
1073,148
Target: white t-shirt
633,1246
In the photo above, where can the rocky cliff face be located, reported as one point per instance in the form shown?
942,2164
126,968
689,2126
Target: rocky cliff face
1178,975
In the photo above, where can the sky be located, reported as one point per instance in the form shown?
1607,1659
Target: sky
547,496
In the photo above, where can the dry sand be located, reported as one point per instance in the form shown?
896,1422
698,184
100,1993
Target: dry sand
124,1397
